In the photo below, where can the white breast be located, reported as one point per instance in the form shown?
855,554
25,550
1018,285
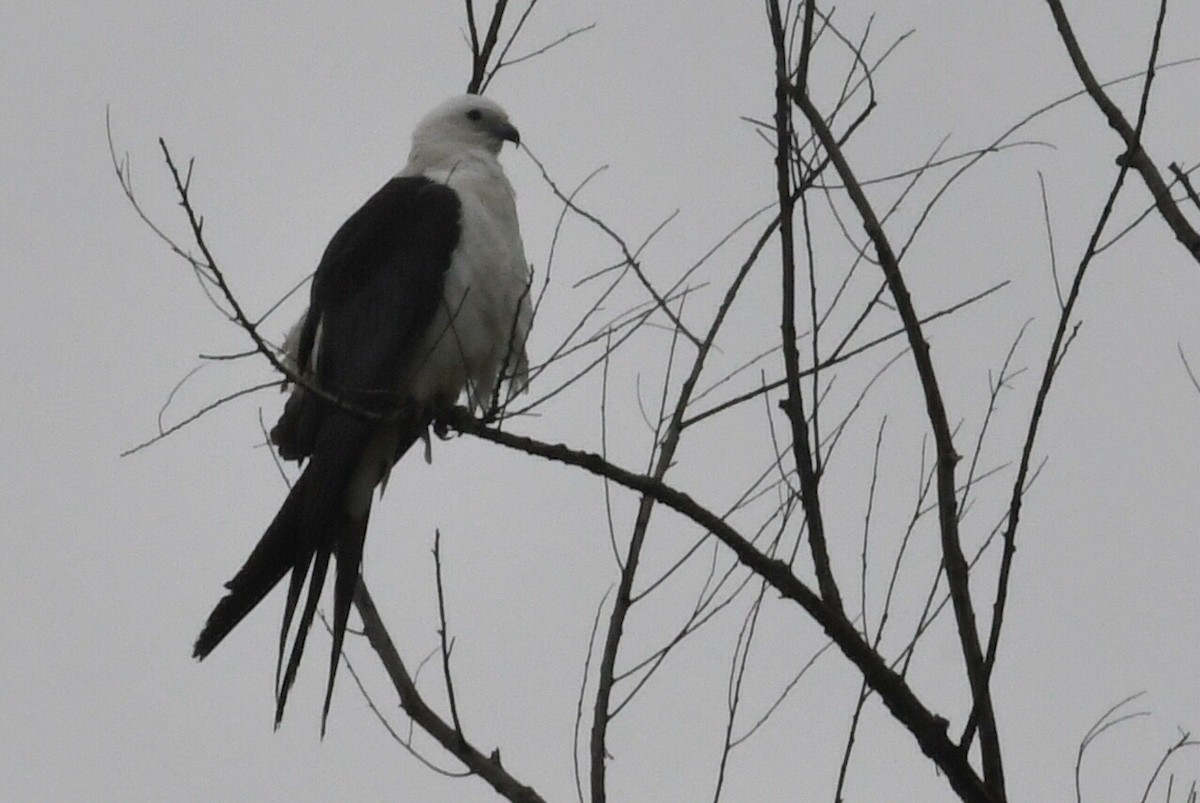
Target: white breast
478,335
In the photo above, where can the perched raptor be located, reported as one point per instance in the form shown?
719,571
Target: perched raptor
421,297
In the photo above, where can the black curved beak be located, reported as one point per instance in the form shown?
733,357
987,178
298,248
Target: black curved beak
509,132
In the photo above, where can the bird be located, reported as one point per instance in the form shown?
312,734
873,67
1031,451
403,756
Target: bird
421,298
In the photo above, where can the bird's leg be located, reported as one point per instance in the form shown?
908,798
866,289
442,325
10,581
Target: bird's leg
428,447
436,415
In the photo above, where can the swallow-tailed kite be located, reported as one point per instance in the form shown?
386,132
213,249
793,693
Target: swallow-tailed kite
421,297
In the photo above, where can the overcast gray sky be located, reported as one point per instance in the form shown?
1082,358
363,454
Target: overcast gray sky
295,114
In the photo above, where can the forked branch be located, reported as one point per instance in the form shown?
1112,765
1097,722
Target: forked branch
1135,155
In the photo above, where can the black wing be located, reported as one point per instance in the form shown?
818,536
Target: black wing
375,291
374,295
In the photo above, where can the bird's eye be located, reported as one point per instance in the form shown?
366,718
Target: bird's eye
474,115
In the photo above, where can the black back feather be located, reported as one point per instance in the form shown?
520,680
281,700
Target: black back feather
374,295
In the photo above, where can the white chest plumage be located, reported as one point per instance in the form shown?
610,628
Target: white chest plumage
477,338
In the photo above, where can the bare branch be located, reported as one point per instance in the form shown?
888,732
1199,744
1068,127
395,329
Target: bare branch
947,458
794,404
1058,348
539,51
1135,155
737,674
481,53
587,663
863,693
1050,239
1185,741
447,644
928,729
406,743
1187,367
486,767
208,408
766,388
1106,721
1186,181
630,259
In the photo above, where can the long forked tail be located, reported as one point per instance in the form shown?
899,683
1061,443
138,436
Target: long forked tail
310,527
333,532
277,551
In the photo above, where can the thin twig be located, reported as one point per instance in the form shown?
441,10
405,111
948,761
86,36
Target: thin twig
866,626
1186,181
447,644
1185,741
928,729
629,258
770,386
1062,341
486,767
863,693
1100,726
163,433
793,406
1135,155
1187,367
506,62
587,663
1050,239
947,458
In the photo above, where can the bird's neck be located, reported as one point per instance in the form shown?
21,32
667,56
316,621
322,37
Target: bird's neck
430,157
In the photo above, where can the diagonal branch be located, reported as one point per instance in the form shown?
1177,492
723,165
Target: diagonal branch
665,460
1135,155
481,52
957,572
794,403
449,736
927,728
1062,338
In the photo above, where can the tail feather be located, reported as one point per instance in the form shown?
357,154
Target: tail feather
348,551
271,559
313,525
320,565
311,544
304,559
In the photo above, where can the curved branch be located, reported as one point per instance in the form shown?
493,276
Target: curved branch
1135,155
794,403
927,728
1063,334
481,52
957,572
486,767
